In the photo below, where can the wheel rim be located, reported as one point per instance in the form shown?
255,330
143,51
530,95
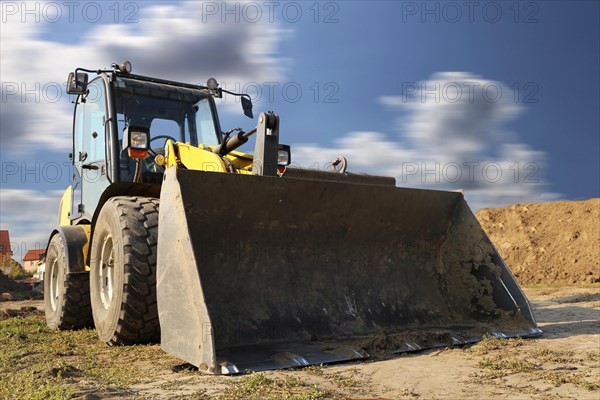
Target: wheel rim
106,272
53,284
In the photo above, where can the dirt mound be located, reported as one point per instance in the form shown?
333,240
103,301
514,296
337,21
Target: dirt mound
547,243
18,290
22,312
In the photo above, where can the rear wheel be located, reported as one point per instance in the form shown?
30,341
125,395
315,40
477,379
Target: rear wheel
123,271
66,296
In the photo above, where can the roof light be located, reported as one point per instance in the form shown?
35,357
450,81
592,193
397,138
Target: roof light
212,84
125,67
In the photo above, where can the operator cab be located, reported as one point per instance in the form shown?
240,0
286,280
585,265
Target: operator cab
118,106
168,112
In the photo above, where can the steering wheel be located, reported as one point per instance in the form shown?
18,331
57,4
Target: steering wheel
163,137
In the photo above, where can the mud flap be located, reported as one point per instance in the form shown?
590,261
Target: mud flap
258,273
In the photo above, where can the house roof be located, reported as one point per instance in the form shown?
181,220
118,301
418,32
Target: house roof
4,242
34,255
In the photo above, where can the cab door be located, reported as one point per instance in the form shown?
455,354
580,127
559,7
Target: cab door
90,130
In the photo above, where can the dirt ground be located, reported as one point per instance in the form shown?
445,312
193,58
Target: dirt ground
564,363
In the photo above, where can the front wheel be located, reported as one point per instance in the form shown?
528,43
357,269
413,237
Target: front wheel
123,271
66,296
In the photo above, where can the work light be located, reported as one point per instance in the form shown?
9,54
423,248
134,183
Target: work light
136,139
284,155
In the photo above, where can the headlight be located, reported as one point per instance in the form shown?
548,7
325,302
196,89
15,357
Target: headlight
284,155
138,140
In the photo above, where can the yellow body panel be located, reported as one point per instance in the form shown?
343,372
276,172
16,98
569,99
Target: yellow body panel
64,212
242,161
64,209
170,157
87,229
202,158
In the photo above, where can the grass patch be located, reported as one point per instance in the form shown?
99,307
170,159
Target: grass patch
257,386
593,356
507,365
503,357
36,362
577,379
34,385
197,395
491,343
315,369
176,384
347,381
344,382
410,393
546,355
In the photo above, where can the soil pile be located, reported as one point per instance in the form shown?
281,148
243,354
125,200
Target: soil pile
547,243
16,290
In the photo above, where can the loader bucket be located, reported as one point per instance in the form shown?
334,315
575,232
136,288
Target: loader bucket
258,273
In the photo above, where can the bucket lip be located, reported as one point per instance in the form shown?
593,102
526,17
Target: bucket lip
283,355
301,354
456,340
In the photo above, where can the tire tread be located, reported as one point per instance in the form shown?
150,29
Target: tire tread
75,310
138,321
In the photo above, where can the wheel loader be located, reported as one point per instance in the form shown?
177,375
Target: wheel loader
238,262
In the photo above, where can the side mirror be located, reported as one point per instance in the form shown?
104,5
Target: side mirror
247,106
77,83
284,155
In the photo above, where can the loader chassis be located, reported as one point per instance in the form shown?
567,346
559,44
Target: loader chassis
237,263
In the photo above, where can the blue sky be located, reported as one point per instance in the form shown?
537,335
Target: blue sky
499,98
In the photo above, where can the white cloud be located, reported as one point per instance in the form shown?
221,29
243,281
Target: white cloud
30,216
169,41
451,137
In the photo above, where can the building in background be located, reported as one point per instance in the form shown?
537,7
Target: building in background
41,271
5,252
32,259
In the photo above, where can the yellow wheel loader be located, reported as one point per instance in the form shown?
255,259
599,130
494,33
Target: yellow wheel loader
240,262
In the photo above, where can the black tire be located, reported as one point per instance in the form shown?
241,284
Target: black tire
123,294
66,296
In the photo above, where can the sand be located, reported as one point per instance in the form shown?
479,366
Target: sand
555,243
